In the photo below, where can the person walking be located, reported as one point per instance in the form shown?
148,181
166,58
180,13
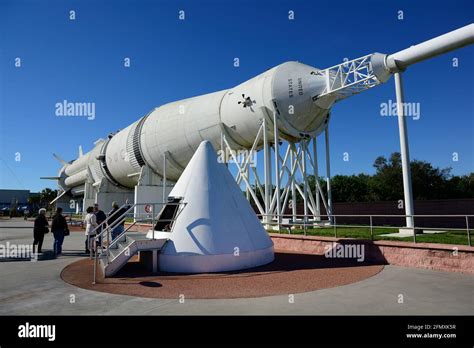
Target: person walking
91,223
39,230
60,229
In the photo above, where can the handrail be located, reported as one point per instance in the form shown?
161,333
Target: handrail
106,229
275,220
119,220
374,215
108,217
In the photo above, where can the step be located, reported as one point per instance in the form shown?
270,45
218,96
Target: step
113,253
118,248
121,239
138,237
144,243
135,242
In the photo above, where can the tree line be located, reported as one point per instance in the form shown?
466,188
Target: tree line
386,184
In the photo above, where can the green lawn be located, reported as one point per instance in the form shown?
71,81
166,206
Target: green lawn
450,237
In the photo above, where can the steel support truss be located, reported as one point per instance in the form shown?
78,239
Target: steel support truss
349,78
352,77
293,164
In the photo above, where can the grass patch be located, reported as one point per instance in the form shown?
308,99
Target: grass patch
450,237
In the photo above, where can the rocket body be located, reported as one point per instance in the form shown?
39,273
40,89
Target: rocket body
175,130
301,96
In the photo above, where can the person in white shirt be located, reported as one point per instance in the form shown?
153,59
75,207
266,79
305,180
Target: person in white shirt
91,223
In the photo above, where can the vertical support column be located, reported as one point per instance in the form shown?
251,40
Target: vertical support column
293,188
267,173
316,179
402,128
303,145
89,196
164,178
328,173
277,169
154,260
223,150
247,172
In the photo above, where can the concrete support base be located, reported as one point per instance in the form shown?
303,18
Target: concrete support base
404,232
410,231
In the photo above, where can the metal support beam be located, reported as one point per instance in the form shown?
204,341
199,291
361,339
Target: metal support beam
293,190
267,173
247,173
244,177
298,158
328,174
402,128
305,179
316,178
277,169
223,150
164,178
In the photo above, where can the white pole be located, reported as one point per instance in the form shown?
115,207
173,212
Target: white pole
267,173
316,178
223,150
277,168
305,179
328,173
293,189
402,127
247,172
164,178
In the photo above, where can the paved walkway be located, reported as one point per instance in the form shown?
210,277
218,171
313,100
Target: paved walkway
36,288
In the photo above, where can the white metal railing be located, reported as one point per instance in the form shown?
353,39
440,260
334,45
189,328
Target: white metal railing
294,220
100,227
102,241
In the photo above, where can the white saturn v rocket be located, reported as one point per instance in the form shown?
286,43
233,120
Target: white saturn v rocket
134,162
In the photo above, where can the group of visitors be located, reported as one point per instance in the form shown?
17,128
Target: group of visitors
59,228
94,225
94,219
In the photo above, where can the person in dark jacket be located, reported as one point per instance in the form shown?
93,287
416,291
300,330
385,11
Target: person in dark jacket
100,217
40,229
60,229
115,215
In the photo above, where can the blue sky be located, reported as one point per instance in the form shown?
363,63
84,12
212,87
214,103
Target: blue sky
82,60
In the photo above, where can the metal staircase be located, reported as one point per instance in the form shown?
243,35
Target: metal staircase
111,255
125,248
